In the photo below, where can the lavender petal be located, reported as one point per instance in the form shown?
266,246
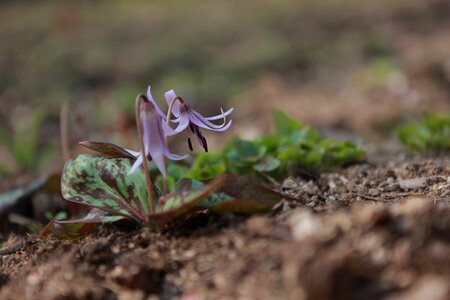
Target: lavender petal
200,121
221,116
170,96
158,110
136,165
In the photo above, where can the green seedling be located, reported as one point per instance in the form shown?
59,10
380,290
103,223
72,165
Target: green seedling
23,144
430,134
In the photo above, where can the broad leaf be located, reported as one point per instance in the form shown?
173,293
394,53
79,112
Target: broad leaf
109,149
104,183
79,228
183,201
241,155
241,195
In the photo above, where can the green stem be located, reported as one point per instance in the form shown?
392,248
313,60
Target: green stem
169,112
148,178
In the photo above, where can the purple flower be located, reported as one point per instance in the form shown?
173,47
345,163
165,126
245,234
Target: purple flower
155,144
158,110
186,116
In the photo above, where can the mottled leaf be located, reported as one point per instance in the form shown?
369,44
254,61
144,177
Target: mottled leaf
242,195
79,228
109,149
104,183
183,201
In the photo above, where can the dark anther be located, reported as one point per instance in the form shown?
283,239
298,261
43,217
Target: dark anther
190,144
205,144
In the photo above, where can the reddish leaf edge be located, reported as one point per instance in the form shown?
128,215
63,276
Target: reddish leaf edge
109,149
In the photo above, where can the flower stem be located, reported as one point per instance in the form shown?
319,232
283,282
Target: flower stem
169,112
64,130
148,179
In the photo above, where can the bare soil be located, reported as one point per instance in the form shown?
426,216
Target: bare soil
378,230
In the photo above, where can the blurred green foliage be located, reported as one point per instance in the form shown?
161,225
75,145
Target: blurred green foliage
292,147
23,143
207,164
430,134
175,172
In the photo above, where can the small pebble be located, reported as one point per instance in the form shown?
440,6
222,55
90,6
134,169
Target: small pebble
374,192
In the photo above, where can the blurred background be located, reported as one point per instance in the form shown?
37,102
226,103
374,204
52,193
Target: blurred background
347,66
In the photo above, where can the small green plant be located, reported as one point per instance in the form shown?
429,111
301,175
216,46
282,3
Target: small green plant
292,147
430,134
23,144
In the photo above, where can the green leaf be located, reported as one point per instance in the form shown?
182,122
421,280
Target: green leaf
79,228
431,134
272,142
104,183
284,124
207,166
5,138
241,195
341,153
183,201
175,172
267,164
107,149
241,154
25,141
290,158
305,135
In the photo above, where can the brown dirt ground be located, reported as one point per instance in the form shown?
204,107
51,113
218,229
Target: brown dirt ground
375,230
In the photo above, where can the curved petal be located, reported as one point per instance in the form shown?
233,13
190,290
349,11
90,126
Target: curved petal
223,115
155,144
200,121
168,130
136,165
134,153
176,120
158,158
172,156
205,126
170,96
182,125
158,110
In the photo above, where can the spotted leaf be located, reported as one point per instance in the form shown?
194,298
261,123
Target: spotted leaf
103,183
79,228
241,195
183,201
